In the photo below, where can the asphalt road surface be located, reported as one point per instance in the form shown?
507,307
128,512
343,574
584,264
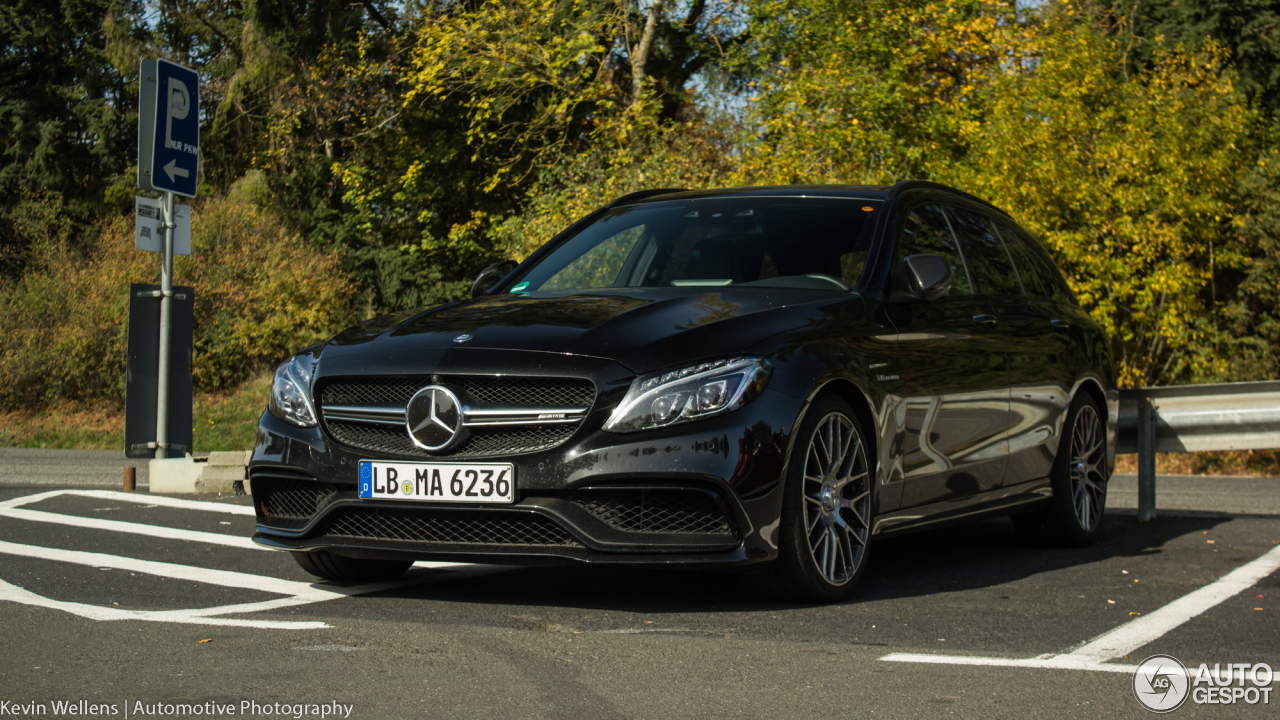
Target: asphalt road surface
117,599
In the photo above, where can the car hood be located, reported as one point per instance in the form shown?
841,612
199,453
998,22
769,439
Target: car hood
642,329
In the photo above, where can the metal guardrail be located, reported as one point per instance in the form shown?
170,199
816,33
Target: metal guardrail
1194,418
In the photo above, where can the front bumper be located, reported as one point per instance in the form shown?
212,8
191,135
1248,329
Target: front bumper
707,492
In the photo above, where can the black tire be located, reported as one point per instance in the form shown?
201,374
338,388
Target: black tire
825,526
344,569
1079,479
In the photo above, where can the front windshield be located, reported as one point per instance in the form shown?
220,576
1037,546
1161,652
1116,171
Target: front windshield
808,243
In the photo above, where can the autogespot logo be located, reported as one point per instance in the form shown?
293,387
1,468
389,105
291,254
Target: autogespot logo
1162,684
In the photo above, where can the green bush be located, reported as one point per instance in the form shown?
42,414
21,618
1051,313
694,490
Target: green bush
260,293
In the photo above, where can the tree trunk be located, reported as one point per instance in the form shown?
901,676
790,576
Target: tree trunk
641,57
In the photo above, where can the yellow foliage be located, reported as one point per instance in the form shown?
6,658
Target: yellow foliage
1126,179
532,77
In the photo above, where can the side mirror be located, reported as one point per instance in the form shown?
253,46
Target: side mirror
490,276
922,278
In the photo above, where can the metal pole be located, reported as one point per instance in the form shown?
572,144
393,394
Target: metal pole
1146,460
166,300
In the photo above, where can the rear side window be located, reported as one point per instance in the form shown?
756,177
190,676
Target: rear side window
927,231
1055,286
989,262
1033,280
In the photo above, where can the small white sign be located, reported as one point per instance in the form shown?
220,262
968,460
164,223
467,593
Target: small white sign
148,233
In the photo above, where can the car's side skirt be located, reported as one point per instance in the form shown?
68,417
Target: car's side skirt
999,501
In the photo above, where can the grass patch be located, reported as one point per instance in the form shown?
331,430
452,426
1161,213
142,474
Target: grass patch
228,420
223,420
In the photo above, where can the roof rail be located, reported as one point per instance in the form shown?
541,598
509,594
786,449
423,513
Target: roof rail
904,185
642,194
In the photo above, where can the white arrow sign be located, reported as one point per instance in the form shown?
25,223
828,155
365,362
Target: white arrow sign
172,169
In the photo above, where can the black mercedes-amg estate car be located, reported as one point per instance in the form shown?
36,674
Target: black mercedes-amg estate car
766,377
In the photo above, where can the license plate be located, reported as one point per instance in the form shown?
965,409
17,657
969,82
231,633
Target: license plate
438,482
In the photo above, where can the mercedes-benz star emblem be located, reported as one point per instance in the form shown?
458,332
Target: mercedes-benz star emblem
433,418
462,338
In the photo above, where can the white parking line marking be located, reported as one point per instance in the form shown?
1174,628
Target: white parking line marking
28,499
1130,636
131,497
1054,662
1140,631
161,500
209,616
296,593
207,538
191,617
225,578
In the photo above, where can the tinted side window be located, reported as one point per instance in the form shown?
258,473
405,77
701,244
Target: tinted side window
1056,285
989,262
599,266
927,231
1034,280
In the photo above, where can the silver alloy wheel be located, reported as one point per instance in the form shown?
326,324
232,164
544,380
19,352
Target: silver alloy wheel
1088,467
837,499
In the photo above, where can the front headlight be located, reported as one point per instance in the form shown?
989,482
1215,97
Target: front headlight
691,393
291,394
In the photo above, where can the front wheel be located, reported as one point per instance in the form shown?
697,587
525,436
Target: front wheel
1079,480
825,526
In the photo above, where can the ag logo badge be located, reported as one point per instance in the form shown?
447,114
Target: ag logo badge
1161,684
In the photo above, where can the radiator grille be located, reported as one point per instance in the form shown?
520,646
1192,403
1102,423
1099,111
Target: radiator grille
478,392
484,442
529,392
483,390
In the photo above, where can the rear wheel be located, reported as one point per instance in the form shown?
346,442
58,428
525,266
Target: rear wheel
1079,480
825,525
344,569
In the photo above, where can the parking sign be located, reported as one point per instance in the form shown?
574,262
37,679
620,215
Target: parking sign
168,128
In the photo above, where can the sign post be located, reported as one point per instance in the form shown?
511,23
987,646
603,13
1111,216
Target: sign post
168,162
142,371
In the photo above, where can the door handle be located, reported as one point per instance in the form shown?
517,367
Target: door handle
986,321
1060,324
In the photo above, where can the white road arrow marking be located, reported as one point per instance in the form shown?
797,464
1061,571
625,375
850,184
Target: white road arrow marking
172,169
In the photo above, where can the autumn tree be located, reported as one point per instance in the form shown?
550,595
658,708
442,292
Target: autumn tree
1126,179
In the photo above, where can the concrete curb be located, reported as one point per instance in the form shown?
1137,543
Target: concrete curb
223,472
